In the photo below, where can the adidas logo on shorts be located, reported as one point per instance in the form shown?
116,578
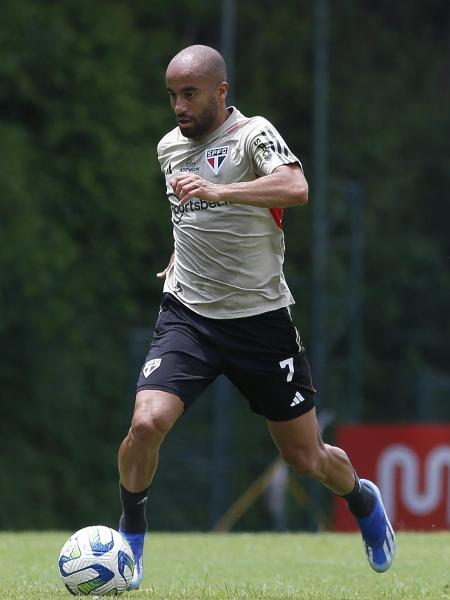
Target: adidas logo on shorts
297,399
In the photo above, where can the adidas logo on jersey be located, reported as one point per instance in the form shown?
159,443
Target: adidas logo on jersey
297,399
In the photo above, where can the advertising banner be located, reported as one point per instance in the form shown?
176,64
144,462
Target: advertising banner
411,466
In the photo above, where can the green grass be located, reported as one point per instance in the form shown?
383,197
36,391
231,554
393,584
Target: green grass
244,566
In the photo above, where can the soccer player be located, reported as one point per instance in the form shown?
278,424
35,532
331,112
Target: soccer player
225,306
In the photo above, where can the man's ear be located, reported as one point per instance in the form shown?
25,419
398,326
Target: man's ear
222,90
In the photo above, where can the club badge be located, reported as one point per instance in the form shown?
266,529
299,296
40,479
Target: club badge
215,157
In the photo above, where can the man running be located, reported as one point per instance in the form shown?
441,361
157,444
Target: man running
225,307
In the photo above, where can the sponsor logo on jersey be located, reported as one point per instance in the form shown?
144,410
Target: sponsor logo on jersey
192,206
190,167
215,157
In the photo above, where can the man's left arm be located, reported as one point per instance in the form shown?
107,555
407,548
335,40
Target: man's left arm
285,186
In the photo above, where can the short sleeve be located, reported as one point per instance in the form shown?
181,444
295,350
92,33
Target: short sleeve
268,149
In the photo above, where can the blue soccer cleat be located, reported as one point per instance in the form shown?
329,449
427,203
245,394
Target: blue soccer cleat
136,542
377,533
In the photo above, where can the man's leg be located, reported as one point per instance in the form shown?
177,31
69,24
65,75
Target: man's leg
300,444
155,413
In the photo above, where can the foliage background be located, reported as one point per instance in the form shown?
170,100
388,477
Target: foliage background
84,227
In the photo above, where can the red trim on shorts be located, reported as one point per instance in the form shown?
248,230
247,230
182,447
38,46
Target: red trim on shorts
277,214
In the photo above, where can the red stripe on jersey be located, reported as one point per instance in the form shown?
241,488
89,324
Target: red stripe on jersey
277,214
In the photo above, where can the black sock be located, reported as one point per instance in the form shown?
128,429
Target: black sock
133,519
360,500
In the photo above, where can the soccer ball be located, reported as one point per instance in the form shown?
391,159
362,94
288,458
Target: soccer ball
96,561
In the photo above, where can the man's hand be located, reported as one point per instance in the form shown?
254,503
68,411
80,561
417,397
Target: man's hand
162,274
190,186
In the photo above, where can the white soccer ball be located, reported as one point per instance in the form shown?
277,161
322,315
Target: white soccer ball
96,561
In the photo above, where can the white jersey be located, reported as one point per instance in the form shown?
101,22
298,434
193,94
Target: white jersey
228,259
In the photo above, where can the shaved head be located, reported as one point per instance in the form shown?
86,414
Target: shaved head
201,61
196,81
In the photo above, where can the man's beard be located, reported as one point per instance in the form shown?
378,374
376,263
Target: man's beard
203,122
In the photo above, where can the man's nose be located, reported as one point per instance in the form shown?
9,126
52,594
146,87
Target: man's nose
180,106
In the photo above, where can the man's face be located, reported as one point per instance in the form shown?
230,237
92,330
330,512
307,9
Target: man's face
195,102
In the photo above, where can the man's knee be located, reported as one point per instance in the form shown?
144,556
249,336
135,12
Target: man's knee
147,429
154,415
305,462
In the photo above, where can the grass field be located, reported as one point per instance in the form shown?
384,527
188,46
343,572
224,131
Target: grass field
244,566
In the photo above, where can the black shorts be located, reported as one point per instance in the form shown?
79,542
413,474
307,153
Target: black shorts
261,355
